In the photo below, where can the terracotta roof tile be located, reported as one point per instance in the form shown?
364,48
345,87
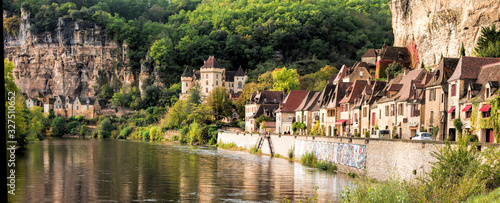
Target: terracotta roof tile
370,53
469,67
355,90
211,62
445,69
305,101
293,100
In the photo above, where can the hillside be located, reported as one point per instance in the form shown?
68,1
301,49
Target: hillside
76,48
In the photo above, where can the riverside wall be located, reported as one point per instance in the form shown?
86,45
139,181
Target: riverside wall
380,159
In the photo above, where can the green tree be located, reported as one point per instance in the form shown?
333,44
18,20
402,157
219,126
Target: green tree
246,93
194,94
393,70
221,103
488,45
105,127
462,50
37,124
285,79
58,127
177,114
200,113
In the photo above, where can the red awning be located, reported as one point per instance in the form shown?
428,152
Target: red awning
452,109
466,108
340,121
485,108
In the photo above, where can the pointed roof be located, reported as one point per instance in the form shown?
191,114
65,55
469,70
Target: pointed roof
313,103
293,100
445,68
211,63
354,91
407,82
370,53
339,93
340,75
468,67
489,74
240,72
187,72
304,103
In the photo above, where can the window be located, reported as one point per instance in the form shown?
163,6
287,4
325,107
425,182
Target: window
206,82
442,98
400,109
387,110
452,114
486,114
392,109
468,113
206,90
431,119
217,83
453,90
323,117
216,76
365,111
487,92
240,85
415,110
356,117
77,107
186,84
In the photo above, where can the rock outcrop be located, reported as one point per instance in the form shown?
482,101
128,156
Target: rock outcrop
441,26
68,61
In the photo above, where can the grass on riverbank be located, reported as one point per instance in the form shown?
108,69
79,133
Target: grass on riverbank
310,159
230,146
461,173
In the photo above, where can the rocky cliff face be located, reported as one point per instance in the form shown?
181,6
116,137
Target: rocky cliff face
68,61
440,26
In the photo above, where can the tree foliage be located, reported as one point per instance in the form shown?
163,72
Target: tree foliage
488,45
393,70
285,79
221,103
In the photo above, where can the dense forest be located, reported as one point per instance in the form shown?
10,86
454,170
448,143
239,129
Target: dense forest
259,35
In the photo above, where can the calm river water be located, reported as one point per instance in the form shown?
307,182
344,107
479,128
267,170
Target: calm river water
90,170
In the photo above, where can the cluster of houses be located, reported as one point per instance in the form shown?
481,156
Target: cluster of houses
354,102
67,106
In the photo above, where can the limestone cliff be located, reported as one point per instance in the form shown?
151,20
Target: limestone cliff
440,26
68,61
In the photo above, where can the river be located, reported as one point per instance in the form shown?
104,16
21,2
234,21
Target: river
91,170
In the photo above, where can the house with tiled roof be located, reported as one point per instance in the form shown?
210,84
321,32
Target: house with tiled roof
348,112
262,103
326,117
370,56
465,74
32,102
334,109
86,106
303,112
394,109
476,101
210,76
390,54
436,100
48,105
60,107
285,114
372,93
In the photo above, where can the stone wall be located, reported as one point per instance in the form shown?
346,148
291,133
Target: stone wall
383,158
171,133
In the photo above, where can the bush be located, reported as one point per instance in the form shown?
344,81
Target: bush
83,130
194,131
125,132
72,127
254,150
184,134
290,153
325,165
309,159
367,134
357,135
58,127
105,128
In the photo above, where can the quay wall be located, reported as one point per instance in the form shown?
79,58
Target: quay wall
380,159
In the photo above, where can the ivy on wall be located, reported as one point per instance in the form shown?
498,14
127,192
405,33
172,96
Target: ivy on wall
493,122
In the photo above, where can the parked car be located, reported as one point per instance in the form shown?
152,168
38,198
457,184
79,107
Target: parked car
422,136
381,134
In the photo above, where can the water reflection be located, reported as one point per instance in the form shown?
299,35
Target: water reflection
73,170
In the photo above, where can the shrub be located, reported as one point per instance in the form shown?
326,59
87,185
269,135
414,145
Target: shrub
254,150
184,134
83,130
204,136
125,132
326,165
367,134
58,127
357,134
194,131
105,128
72,127
309,159
290,153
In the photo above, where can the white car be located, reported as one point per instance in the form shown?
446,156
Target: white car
422,136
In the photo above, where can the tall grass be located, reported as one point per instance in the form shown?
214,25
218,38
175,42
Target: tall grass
310,159
460,172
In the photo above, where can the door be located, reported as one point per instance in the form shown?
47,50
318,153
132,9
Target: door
489,136
451,134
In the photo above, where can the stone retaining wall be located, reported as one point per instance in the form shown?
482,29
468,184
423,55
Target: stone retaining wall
377,158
